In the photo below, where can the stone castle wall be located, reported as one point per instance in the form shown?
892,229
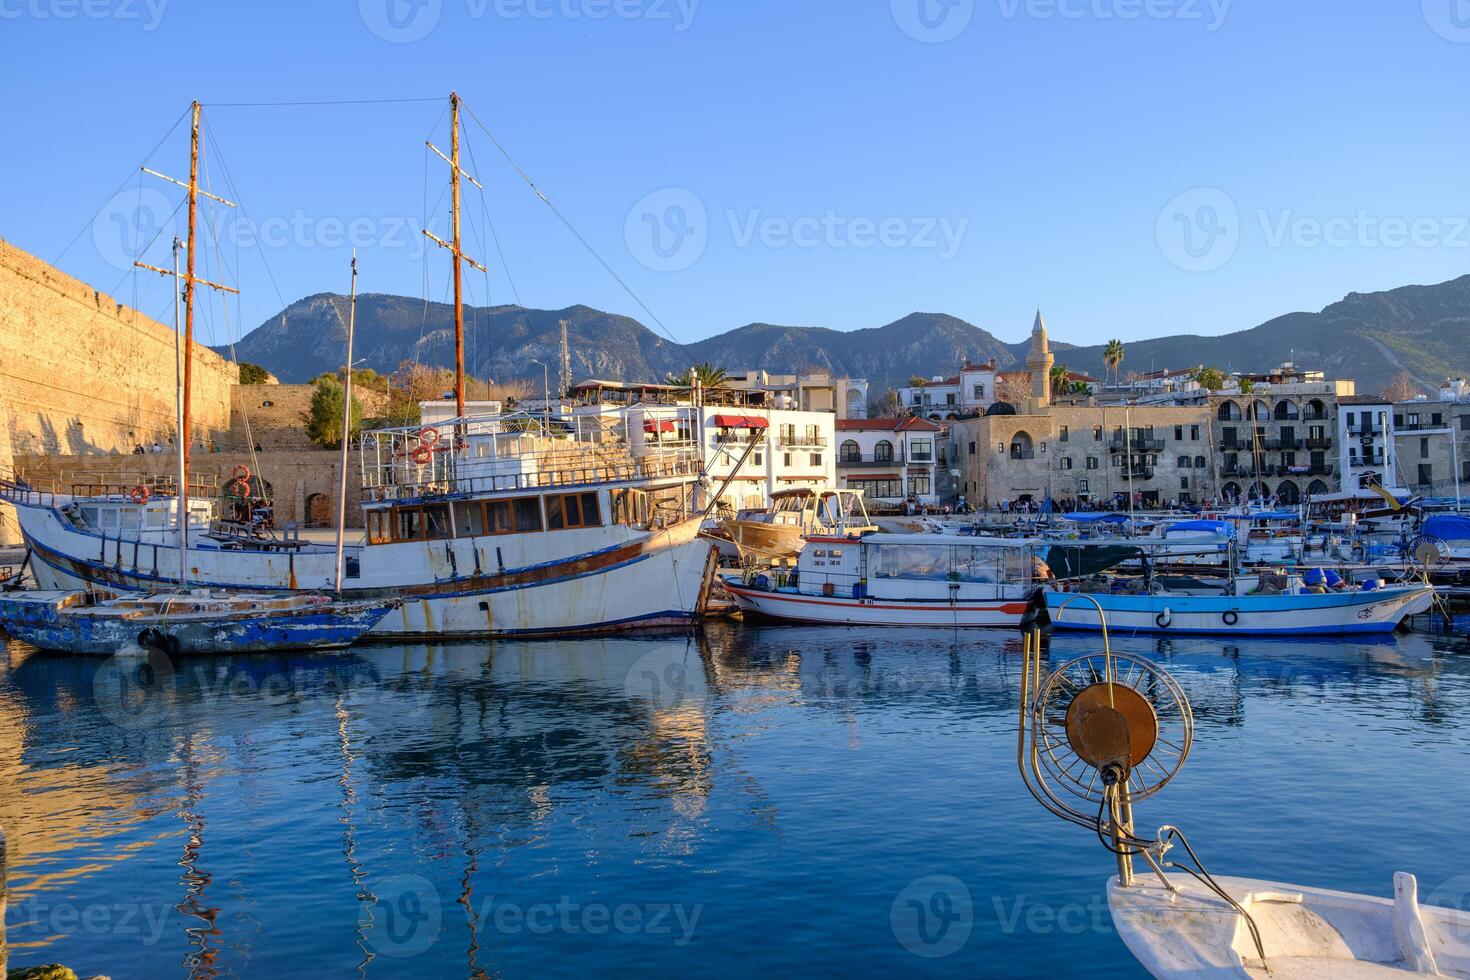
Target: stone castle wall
274,415
84,373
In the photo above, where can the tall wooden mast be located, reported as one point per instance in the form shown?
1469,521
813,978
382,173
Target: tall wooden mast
187,352
456,253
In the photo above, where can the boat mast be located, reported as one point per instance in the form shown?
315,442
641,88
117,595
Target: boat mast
186,353
346,424
453,245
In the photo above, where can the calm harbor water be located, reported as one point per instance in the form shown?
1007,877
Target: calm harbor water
752,800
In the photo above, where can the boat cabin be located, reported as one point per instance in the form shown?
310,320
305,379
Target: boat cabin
915,566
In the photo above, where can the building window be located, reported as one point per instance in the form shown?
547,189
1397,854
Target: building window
756,459
1423,448
1184,483
1184,462
849,452
1066,462
919,484
816,459
972,445
883,452
921,451
979,391
1062,434
1194,433
1178,433
786,459
1199,462
566,511
1097,433
877,489
1092,462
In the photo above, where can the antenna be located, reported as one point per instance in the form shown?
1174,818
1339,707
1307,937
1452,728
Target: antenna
455,172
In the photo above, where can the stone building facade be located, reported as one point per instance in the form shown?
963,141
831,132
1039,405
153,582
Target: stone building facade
84,373
274,415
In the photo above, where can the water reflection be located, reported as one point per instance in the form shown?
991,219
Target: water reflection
445,780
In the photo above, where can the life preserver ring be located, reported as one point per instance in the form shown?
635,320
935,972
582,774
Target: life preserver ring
139,494
1163,619
241,472
238,488
428,436
1230,617
422,455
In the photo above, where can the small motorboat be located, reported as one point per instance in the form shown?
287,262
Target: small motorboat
780,529
1106,731
198,621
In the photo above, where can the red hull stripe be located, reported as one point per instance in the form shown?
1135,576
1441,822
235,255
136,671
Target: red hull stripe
1011,608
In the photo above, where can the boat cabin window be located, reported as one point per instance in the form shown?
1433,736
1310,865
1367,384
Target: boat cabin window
130,518
565,511
427,523
379,526
953,563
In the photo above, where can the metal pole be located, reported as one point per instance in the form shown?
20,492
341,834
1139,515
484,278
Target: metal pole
189,321
183,494
1128,461
346,426
4,957
458,301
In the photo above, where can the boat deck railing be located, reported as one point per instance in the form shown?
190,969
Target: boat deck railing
495,454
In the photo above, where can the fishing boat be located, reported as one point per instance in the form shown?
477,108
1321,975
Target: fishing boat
779,529
1313,601
899,580
485,525
198,621
1104,732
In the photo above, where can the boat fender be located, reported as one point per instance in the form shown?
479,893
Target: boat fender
1163,619
1230,617
171,645
150,638
139,494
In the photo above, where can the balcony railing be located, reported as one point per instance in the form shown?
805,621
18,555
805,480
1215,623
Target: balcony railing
1314,416
1324,442
802,440
1147,444
869,459
1023,454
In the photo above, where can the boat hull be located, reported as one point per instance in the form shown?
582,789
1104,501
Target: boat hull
45,620
1281,615
836,610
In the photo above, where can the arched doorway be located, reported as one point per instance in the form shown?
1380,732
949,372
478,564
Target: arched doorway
1259,491
1316,488
1289,493
1286,411
1022,447
1231,491
1260,411
318,510
849,452
1229,412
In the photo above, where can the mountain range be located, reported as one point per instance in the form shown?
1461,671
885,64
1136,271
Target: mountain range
1370,337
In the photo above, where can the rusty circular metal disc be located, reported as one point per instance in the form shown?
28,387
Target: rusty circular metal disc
1088,721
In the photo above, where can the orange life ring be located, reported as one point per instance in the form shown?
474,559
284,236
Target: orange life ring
237,488
139,494
241,472
428,436
422,455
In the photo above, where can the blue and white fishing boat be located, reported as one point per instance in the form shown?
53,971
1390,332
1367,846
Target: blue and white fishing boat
197,621
1314,601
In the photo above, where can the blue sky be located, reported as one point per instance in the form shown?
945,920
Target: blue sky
1136,167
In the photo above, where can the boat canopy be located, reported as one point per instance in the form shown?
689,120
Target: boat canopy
1098,518
1447,527
956,539
1208,527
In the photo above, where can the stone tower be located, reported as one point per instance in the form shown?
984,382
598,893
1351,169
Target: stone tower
1039,362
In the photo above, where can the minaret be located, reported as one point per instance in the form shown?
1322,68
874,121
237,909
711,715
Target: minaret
1039,363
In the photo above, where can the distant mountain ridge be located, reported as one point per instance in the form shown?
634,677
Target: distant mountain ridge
1371,337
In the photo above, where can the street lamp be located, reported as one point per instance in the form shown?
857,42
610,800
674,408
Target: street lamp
545,396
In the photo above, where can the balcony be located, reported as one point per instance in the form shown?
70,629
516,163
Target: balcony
802,440
1289,445
1141,445
870,459
1314,416
1324,442
1023,454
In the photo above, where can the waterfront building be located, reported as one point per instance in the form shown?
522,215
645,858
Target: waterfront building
812,391
1421,445
1278,436
970,392
891,459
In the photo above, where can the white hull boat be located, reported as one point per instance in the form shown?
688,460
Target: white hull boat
898,580
1306,932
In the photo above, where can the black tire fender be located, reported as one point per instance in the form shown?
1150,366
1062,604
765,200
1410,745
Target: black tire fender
1230,617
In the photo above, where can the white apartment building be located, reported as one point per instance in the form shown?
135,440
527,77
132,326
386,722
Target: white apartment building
970,392
846,398
1366,444
890,460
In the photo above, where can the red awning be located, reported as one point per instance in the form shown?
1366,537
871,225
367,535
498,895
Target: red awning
740,422
658,425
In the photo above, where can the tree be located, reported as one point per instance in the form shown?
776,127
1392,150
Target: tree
707,374
1247,386
1113,357
883,404
1402,388
1013,387
1209,378
324,418
253,374
1060,383
915,381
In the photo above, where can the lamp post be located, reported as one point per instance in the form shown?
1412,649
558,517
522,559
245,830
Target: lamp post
545,396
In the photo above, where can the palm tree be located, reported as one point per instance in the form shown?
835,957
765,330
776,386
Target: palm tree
1113,357
708,375
1060,383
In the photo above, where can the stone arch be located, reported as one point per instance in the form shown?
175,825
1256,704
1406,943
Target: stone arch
1231,490
1259,491
1287,411
1289,493
319,511
1260,411
1022,446
1228,412
1317,409
1316,488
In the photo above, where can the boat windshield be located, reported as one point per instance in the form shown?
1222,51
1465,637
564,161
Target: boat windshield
952,563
